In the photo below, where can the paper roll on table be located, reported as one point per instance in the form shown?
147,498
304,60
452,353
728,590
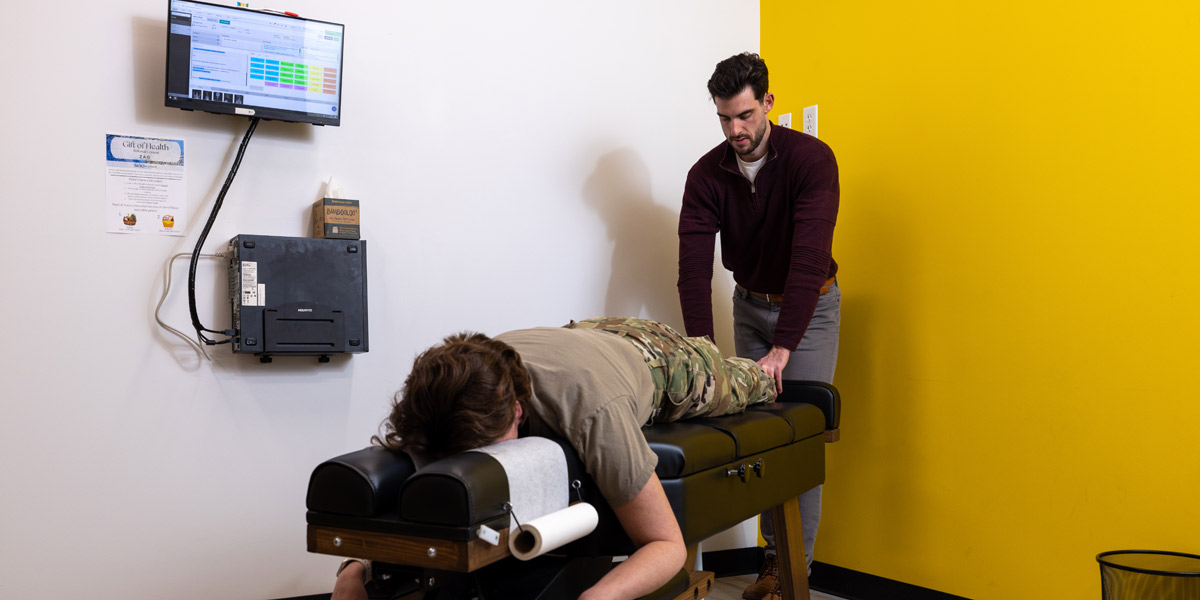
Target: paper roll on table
538,482
548,532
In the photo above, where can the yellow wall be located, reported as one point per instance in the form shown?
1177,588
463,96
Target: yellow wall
1021,280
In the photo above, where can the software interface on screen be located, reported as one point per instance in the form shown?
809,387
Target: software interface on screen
253,60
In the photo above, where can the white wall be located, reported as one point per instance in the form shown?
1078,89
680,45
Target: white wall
500,152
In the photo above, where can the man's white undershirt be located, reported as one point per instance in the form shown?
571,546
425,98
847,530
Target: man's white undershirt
750,169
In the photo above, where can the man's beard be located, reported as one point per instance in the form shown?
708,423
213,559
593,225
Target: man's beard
755,141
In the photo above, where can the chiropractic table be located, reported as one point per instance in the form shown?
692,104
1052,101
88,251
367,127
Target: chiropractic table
421,528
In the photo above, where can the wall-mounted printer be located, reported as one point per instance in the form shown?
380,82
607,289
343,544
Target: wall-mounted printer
298,296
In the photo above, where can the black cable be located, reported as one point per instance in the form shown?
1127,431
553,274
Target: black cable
200,329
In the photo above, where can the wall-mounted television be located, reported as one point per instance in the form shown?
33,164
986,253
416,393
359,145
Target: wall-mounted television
238,61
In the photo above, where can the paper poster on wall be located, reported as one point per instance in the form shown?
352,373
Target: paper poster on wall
145,185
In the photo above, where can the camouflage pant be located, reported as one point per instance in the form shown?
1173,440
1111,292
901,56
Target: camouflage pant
691,378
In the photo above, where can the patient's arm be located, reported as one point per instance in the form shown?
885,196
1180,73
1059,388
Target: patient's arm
349,584
660,553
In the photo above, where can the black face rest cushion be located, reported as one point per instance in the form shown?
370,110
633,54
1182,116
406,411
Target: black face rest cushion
365,483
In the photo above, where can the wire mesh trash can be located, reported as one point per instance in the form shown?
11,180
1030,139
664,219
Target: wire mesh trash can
1149,575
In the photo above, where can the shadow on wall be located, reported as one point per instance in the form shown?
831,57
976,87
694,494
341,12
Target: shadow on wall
645,257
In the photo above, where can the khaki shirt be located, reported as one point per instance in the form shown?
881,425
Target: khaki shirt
593,389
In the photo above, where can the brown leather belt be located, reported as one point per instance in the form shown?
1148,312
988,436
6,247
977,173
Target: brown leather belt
779,297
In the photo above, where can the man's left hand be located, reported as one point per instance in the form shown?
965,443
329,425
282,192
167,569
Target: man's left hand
773,364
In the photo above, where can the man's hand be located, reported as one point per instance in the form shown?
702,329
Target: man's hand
349,584
773,363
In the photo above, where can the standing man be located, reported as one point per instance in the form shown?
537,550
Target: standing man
772,193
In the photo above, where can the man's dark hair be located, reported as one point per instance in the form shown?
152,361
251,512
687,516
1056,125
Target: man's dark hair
460,395
733,74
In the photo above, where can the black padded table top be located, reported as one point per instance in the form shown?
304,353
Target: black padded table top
715,472
692,446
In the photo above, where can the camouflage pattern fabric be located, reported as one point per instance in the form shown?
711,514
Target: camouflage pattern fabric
691,378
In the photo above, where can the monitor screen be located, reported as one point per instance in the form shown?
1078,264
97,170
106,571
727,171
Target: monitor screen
239,61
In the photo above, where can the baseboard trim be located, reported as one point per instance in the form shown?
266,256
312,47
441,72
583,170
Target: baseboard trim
856,585
826,578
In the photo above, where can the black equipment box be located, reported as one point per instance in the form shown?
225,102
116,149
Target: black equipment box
298,296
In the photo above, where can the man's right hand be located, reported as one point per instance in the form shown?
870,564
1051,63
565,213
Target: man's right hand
773,364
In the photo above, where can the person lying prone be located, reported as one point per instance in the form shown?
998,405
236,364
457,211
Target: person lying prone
594,383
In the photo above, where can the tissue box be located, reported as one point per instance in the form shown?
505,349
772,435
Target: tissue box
335,218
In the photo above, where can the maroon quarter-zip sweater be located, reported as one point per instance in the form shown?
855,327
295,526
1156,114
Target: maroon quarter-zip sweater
776,235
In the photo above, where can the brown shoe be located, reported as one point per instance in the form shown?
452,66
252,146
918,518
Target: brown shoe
776,594
768,581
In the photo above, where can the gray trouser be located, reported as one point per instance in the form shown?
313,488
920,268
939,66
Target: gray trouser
754,321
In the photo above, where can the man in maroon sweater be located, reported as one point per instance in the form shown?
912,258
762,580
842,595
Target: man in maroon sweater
772,194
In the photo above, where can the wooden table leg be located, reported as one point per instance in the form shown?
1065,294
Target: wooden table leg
789,548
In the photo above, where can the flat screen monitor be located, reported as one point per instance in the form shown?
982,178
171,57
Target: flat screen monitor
238,61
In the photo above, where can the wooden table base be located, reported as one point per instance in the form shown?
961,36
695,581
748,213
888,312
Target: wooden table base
789,548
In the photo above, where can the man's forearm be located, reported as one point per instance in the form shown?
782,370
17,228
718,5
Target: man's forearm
643,572
660,552
695,283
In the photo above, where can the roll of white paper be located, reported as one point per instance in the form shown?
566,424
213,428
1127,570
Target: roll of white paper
548,532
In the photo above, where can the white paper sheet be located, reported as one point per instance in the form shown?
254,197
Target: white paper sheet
145,185
538,489
537,476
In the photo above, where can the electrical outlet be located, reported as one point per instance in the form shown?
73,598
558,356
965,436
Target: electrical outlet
785,120
810,120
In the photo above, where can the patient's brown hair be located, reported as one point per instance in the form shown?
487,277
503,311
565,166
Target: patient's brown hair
460,395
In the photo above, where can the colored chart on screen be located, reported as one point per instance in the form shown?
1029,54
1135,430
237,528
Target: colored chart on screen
296,76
